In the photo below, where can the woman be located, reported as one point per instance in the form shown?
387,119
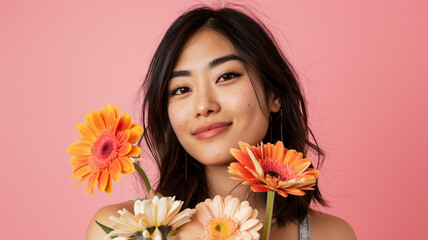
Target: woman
217,78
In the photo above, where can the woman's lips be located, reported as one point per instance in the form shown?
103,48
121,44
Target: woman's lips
211,130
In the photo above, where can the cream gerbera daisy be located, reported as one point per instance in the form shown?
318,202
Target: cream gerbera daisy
155,218
221,219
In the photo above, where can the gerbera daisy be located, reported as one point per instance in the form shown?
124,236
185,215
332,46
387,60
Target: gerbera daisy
104,151
154,218
221,219
273,167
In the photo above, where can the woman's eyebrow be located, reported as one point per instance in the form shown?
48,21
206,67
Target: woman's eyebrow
224,59
213,63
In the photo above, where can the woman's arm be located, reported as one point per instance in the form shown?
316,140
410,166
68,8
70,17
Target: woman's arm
94,231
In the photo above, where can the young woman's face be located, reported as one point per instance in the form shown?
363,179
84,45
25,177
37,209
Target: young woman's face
212,102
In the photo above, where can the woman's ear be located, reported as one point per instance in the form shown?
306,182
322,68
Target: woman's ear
274,102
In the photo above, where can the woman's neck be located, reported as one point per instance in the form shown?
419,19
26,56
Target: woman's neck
221,183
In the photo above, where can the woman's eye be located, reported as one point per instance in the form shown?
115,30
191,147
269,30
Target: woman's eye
228,76
180,90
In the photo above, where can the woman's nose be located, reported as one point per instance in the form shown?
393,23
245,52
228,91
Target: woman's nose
206,103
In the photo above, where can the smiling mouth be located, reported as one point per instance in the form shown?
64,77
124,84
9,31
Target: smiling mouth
211,130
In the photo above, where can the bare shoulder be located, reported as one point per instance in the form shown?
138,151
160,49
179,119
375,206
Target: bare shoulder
325,226
94,231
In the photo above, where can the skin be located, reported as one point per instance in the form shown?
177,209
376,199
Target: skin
201,94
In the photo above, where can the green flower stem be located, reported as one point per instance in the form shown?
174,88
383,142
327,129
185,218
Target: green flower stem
269,210
143,175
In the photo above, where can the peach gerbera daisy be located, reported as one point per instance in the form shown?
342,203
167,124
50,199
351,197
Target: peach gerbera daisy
154,218
104,151
273,167
221,219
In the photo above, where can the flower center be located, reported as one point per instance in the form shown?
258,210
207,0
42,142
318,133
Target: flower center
104,150
222,229
280,170
273,174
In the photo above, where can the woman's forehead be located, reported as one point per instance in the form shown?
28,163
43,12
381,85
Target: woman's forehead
202,47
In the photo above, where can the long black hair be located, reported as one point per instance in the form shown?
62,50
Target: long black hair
256,45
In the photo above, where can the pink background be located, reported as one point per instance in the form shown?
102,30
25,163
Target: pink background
363,66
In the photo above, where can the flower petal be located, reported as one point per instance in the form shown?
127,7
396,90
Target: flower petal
84,178
80,148
204,213
92,182
161,211
181,218
297,157
135,133
259,188
279,151
257,167
90,124
81,171
282,193
149,213
124,123
135,151
115,170
98,122
245,211
243,158
219,203
295,191
231,205
248,224
109,186
288,155
302,165
109,117
77,160
86,133
103,179
126,164
124,149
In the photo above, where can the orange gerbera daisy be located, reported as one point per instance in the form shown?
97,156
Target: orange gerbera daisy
104,151
273,167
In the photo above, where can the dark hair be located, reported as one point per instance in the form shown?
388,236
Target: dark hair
257,47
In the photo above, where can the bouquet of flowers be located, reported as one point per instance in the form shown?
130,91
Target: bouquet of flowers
107,150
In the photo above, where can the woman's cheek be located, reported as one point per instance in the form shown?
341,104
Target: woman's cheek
174,117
